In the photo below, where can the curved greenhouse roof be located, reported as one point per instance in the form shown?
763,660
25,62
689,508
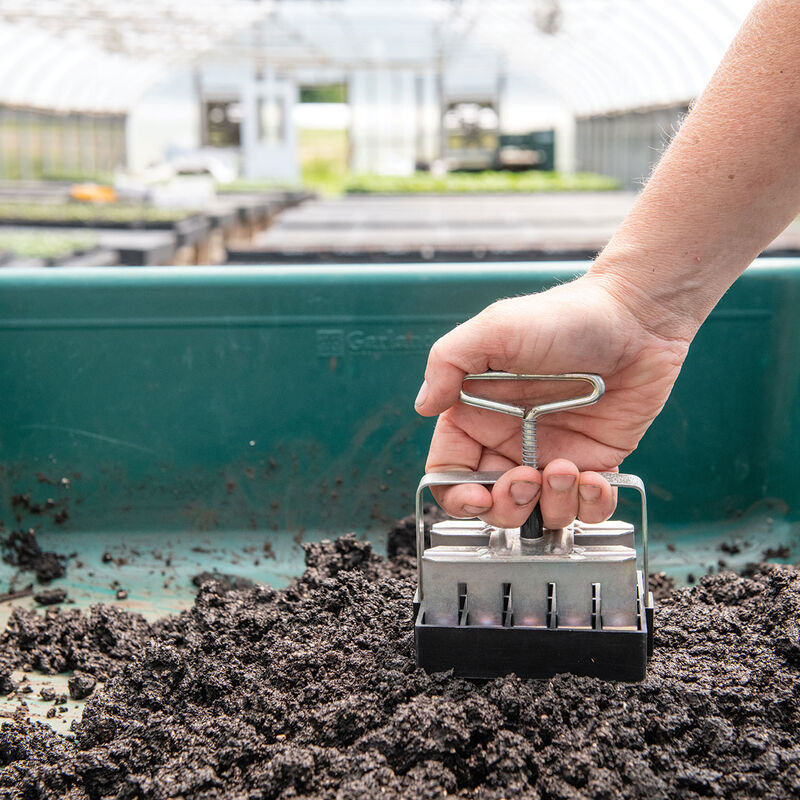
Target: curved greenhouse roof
619,54
593,55
40,70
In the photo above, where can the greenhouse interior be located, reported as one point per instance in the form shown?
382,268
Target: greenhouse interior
285,289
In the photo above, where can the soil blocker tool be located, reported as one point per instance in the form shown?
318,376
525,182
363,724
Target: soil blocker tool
533,601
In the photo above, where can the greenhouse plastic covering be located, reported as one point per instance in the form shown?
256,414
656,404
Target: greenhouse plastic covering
593,55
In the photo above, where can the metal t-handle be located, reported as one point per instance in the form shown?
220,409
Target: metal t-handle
532,529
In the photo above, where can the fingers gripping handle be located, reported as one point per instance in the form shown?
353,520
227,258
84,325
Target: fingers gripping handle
532,529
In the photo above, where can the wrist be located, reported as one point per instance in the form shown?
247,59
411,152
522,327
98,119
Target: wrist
667,303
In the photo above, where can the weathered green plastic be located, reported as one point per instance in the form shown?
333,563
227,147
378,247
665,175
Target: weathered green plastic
278,402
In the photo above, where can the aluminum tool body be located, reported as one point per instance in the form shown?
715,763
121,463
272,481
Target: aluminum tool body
532,600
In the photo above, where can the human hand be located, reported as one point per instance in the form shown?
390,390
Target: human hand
584,326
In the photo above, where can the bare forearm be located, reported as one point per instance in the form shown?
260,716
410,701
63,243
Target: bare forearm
727,185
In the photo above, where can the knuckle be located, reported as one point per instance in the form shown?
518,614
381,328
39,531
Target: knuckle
438,352
493,319
493,309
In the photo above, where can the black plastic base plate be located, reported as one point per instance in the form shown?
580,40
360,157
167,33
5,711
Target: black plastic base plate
489,652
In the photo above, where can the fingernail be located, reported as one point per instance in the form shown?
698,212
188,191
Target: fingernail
422,395
561,483
524,492
475,509
590,493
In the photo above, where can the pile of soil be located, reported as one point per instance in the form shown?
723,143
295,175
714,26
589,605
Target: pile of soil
661,585
312,691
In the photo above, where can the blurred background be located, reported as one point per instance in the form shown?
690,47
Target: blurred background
314,132
279,131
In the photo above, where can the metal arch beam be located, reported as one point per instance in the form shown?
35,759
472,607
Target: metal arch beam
346,26
298,37
163,19
649,62
574,72
725,9
708,36
705,37
584,58
678,38
107,95
660,60
664,52
577,67
372,22
708,43
332,34
639,70
606,85
21,49
582,71
29,77
146,37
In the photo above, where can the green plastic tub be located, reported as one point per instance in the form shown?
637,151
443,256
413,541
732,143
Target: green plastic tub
215,418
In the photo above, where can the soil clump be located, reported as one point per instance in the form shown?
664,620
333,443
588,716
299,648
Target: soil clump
81,685
50,597
99,642
20,549
227,581
661,585
312,692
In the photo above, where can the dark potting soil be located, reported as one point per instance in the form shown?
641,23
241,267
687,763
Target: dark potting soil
661,585
20,549
227,580
81,685
50,597
311,691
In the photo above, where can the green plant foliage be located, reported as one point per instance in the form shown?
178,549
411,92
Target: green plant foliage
324,93
81,213
329,177
44,244
76,176
479,183
324,160
251,185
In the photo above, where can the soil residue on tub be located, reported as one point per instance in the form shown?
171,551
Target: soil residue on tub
312,691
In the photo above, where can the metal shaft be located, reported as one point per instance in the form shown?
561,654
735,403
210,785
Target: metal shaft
529,443
533,527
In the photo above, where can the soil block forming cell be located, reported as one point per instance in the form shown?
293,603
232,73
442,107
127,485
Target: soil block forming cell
312,691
